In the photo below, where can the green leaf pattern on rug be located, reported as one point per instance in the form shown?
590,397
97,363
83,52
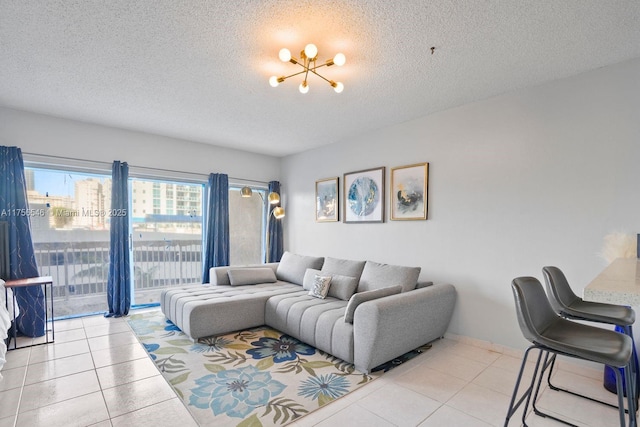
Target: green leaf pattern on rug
284,410
227,358
252,421
214,368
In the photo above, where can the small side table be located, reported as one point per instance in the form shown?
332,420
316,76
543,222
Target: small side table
44,281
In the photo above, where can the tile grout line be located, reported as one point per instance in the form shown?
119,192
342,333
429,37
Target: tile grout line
104,400
24,380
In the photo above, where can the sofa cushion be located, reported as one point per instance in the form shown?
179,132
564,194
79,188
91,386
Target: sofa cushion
317,322
321,285
344,267
376,276
250,276
342,287
364,296
292,267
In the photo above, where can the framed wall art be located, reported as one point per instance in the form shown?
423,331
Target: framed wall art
364,196
327,200
409,192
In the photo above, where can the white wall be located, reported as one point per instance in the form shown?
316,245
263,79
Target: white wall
523,180
46,135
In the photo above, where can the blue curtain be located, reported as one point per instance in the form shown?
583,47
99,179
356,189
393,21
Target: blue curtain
119,278
22,260
274,229
216,224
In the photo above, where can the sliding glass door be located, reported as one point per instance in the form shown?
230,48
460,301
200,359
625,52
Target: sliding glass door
70,231
166,226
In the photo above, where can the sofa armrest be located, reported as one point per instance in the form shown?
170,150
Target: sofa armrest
218,275
388,327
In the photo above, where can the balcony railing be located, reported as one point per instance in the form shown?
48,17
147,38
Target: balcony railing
80,271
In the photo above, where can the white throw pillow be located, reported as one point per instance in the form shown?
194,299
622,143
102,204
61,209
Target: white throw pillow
320,287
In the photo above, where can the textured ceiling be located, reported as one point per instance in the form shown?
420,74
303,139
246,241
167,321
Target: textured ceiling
199,69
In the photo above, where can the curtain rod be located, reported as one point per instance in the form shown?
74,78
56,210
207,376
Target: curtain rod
108,165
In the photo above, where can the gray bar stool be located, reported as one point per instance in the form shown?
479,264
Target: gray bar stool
567,304
553,335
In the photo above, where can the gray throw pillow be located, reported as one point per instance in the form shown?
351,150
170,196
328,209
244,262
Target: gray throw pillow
219,276
309,277
292,267
342,287
250,276
376,276
361,297
421,285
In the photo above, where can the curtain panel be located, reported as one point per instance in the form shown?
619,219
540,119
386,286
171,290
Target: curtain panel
216,224
274,229
119,277
14,209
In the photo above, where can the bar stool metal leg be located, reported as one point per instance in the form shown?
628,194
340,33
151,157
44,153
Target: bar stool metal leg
526,396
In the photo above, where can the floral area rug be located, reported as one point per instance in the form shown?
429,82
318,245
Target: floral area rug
257,377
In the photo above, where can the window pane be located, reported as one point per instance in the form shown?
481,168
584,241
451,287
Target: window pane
71,238
167,242
246,226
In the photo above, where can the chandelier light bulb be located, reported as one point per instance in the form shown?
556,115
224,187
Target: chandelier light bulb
304,87
311,51
339,87
273,81
339,59
284,55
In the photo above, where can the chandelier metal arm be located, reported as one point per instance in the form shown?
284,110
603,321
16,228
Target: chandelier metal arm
294,74
306,70
307,57
306,67
313,70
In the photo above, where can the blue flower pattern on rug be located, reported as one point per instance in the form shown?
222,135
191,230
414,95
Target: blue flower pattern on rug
171,327
330,385
150,349
236,392
282,350
148,327
210,344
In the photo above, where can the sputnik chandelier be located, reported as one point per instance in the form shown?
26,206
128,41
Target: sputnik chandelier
307,61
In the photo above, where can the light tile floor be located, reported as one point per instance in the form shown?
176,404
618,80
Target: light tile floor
96,373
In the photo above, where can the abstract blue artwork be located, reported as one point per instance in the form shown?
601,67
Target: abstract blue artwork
409,192
364,196
327,200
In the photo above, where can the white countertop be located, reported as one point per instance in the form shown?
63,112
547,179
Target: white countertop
619,283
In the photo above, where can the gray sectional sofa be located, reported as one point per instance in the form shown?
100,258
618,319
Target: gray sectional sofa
371,314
